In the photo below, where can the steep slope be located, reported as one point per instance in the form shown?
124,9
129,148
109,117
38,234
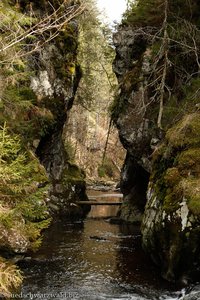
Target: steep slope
172,216
39,77
157,65
86,136
40,83
88,125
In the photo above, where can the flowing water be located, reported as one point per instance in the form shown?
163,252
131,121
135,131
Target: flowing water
95,260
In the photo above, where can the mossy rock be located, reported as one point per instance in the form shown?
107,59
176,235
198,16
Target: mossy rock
73,174
179,177
172,199
172,176
189,161
191,188
175,200
186,132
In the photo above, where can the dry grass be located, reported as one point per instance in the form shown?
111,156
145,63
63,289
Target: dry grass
10,278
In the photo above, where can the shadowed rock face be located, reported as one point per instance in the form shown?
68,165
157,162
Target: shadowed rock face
55,81
133,112
172,216
134,182
162,165
57,93
135,125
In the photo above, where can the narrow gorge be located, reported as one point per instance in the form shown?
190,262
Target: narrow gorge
89,112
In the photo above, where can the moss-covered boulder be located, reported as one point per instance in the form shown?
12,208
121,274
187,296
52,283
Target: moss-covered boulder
66,192
171,223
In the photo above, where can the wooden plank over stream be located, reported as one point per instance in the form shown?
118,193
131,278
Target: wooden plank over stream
97,203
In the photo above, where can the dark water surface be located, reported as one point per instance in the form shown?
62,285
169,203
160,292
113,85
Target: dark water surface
94,260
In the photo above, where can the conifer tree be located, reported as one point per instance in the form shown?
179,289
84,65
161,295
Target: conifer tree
21,199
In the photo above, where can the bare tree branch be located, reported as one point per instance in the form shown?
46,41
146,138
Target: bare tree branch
51,24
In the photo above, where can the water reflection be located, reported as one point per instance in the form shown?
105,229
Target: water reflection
104,211
92,260
132,262
89,267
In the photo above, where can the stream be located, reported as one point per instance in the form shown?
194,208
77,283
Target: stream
96,260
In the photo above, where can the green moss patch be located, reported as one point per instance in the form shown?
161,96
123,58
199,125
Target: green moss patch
172,176
73,174
186,132
176,170
189,162
172,195
191,187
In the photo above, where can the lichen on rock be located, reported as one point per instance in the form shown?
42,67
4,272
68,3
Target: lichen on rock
156,112
38,80
41,85
174,201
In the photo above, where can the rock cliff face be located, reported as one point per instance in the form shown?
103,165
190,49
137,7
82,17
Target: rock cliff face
39,77
56,79
48,77
156,113
136,130
172,216
133,184
55,87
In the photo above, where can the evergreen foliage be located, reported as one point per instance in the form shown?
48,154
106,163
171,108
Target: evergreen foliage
26,27
20,174
95,57
23,212
143,13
